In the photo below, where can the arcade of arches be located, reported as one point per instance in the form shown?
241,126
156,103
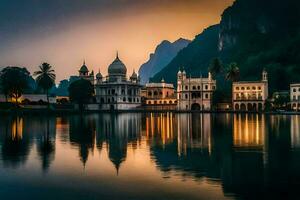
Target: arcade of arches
251,106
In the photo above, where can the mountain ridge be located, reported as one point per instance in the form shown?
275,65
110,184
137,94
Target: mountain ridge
255,34
163,54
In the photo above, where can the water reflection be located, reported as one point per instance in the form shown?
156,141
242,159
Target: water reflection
246,156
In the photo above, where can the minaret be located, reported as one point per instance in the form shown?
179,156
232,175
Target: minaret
179,82
209,76
265,76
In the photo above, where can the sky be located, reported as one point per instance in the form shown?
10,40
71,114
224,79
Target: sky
66,32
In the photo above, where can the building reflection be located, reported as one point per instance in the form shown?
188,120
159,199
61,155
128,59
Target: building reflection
246,154
19,134
82,135
117,133
186,148
295,131
249,131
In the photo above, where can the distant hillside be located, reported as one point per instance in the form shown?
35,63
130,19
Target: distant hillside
256,34
162,56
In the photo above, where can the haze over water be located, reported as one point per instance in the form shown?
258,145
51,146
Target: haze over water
150,156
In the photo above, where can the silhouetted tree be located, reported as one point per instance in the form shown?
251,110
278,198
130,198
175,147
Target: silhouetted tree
215,67
14,81
81,92
233,72
45,78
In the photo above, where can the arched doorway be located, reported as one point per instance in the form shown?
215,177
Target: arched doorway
243,107
237,107
254,107
195,106
112,107
260,107
250,107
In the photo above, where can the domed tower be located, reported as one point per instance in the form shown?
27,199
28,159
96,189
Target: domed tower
83,71
134,77
99,78
117,71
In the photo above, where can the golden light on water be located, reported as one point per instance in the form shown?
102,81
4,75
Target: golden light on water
17,129
249,131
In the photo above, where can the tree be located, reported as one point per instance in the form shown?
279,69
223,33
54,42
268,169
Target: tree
45,78
14,81
215,67
81,92
233,72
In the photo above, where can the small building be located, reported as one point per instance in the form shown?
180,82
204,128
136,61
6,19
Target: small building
30,98
116,91
194,93
250,95
295,96
160,96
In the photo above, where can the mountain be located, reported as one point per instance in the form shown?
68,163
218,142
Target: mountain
163,54
253,33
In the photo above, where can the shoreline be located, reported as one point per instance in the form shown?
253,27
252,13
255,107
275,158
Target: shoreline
72,112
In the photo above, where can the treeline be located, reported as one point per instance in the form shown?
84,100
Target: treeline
16,81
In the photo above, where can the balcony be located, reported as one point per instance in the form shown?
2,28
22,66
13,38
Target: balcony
249,98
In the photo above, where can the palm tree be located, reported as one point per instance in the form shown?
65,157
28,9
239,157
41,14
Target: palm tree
45,78
233,72
215,67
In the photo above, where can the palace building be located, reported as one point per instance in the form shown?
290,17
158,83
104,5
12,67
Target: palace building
160,96
116,91
194,93
250,95
295,96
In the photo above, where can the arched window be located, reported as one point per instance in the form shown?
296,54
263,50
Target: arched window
124,99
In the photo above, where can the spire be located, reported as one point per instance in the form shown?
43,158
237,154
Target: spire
83,61
117,54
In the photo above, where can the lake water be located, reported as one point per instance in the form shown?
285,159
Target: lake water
150,156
